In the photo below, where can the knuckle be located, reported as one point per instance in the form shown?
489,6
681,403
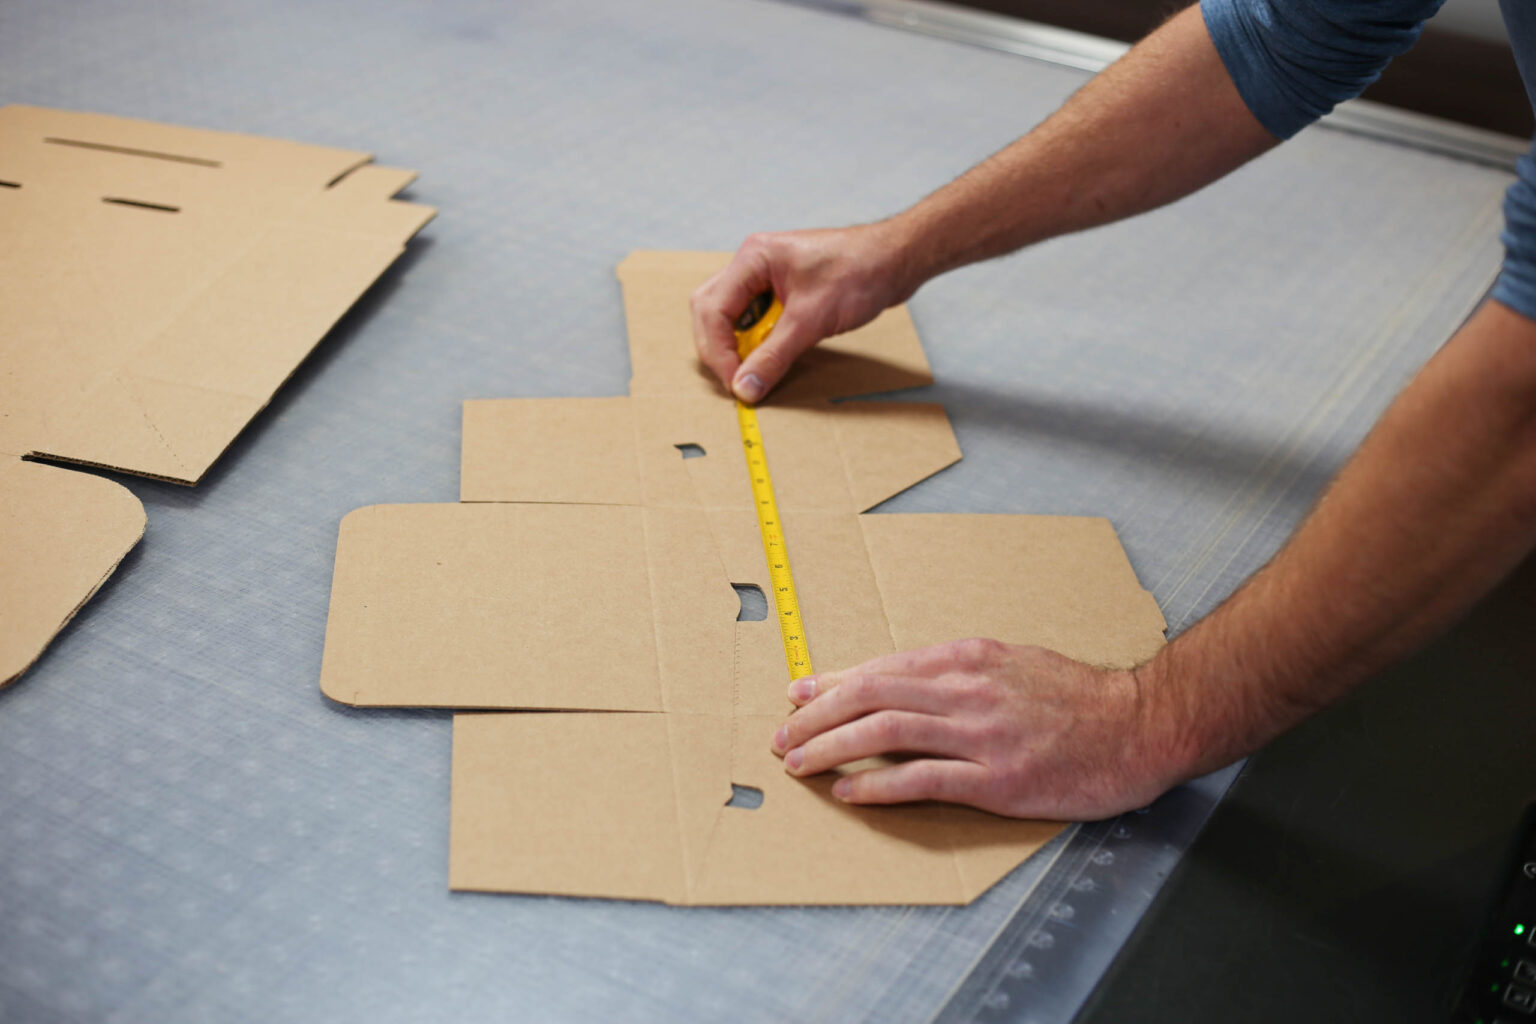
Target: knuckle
1010,782
926,780
977,650
885,728
976,692
859,690
770,361
992,733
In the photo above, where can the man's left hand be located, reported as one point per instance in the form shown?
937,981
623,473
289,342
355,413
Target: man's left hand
1019,731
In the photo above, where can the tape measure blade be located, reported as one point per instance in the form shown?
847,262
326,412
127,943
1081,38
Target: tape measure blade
797,654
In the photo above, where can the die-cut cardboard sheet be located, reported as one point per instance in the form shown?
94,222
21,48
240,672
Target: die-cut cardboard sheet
158,284
590,573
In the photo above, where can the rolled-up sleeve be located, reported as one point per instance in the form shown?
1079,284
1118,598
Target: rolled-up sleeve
1294,60
1516,286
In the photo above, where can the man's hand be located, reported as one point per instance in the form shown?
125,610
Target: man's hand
1161,122
830,282
1019,731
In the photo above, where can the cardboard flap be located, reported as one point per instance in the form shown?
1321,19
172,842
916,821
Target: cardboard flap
96,155
884,355
686,452
568,804
365,187
804,846
1055,581
529,606
64,533
890,446
162,282
578,450
634,807
166,429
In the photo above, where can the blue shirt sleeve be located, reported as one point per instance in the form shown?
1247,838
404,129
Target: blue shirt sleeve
1516,286
1294,60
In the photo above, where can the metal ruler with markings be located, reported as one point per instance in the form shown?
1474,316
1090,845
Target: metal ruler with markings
752,328
1081,897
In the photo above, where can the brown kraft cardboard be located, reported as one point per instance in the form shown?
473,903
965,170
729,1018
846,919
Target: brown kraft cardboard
158,285
591,572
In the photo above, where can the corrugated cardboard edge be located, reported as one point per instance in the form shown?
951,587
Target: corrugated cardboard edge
65,533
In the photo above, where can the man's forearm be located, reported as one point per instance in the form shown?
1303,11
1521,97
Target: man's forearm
1438,504
1163,121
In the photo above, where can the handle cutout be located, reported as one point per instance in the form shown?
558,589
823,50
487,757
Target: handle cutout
691,451
102,147
745,798
754,603
10,184
141,204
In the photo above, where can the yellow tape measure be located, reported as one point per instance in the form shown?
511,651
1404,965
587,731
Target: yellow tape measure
752,328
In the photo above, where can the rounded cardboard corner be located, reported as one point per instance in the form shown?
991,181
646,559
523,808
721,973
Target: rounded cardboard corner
353,520
328,689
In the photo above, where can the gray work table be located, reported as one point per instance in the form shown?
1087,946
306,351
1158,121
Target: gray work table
192,832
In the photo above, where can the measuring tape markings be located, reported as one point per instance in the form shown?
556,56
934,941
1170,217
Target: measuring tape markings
751,329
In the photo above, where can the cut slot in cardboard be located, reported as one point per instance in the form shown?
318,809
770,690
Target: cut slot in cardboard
158,285
592,571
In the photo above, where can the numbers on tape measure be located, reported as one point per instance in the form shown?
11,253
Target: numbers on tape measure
752,330
797,655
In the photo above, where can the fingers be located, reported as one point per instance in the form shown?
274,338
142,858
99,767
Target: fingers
717,303
962,782
761,371
923,662
715,341
884,732
861,694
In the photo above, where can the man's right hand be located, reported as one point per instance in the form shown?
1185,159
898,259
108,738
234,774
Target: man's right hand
830,281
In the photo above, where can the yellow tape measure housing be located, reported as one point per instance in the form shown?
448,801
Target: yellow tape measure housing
751,329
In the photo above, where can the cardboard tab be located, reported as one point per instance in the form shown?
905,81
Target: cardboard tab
61,535
1061,582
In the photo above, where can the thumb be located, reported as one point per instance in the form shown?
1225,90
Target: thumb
761,371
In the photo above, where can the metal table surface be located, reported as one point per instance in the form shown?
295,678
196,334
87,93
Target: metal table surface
192,832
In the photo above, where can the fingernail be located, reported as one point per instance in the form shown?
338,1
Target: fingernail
802,690
781,738
794,759
748,387
841,788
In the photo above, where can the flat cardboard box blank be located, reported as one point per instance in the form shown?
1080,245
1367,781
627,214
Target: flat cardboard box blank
158,284
591,572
